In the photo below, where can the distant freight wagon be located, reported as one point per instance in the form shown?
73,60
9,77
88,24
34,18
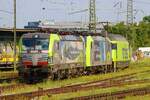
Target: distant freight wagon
6,54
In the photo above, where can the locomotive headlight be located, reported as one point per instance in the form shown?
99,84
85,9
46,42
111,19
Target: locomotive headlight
36,36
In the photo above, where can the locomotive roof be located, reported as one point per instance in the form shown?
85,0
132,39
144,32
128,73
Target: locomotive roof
70,37
40,35
17,30
116,37
62,31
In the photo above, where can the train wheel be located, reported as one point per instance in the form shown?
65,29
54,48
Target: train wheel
53,76
60,74
81,71
74,72
112,69
69,74
78,72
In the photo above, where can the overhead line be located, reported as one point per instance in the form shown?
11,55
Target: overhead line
142,2
4,11
53,2
79,11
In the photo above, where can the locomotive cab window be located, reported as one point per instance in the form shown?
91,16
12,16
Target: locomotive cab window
114,45
35,44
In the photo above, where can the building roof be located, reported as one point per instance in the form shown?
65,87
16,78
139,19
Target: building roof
17,30
116,37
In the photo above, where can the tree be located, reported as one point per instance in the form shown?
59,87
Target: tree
146,19
138,35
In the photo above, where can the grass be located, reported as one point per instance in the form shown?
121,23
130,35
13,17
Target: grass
8,83
8,74
134,67
144,62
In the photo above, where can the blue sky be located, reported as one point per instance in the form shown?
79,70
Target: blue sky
58,10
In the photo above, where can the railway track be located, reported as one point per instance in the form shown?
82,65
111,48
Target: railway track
8,80
111,82
11,87
42,92
8,76
116,95
19,86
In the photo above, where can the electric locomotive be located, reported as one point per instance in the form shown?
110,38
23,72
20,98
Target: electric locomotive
121,51
61,55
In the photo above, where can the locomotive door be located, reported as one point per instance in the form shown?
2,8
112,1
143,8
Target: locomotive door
114,55
56,53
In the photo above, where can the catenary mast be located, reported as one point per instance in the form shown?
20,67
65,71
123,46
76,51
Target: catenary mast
129,12
92,16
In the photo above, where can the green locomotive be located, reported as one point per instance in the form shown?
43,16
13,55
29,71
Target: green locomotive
121,51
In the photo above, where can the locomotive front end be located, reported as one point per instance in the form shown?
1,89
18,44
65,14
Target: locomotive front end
34,55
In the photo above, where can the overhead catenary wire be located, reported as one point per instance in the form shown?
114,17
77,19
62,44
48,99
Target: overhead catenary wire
142,2
62,2
79,11
4,11
54,2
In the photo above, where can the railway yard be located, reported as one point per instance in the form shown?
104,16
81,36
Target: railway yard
128,83
50,51
72,66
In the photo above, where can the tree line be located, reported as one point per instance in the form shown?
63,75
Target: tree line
138,34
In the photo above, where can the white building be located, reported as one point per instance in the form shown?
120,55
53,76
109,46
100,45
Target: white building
145,50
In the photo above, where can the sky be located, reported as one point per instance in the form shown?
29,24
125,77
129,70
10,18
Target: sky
59,10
